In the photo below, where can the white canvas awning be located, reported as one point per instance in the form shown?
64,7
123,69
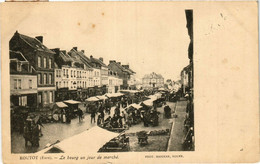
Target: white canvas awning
61,105
148,102
72,102
158,95
152,97
114,94
137,106
102,97
161,89
89,141
92,99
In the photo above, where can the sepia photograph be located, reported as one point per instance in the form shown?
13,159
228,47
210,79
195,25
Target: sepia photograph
130,85
129,82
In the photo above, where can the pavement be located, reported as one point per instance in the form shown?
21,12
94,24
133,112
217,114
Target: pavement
60,131
177,132
53,132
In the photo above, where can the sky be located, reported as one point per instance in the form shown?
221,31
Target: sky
148,37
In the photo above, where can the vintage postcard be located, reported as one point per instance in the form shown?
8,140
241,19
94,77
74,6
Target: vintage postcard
129,82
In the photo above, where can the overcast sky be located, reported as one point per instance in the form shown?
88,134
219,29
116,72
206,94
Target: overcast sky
145,36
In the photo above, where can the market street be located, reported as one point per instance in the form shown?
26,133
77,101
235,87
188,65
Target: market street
60,131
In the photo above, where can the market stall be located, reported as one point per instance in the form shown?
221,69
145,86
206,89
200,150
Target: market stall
59,110
91,104
73,107
86,142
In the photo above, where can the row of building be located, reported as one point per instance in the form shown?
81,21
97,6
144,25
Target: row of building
40,76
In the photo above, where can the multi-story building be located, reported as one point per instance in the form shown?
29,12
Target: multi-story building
152,80
23,82
114,82
132,80
123,73
92,77
102,74
71,76
42,59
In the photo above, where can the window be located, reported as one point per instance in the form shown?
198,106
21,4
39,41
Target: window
30,84
67,73
74,73
50,78
57,73
39,79
51,97
64,84
64,74
44,63
19,66
19,84
39,61
23,101
15,83
71,73
50,63
57,84
45,78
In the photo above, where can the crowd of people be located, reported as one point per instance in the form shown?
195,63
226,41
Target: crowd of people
124,115
32,130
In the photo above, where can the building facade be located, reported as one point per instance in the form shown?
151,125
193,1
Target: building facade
42,60
123,72
23,82
152,80
114,82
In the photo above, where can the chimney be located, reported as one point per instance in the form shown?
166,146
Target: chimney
91,56
75,48
126,66
112,61
40,38
56,50
119,63
82,51
101,59
64,51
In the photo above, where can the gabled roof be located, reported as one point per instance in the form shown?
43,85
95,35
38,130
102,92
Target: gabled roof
120,67
92,59
83,58
34,43
153,75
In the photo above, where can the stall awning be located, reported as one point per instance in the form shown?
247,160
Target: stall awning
61,105
152,97
148,102
158,95
161,89
72,102
86,141
137,106
129,91
92,99
118,94
114,94
102,97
